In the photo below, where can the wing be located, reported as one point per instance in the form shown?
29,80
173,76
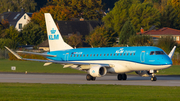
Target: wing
47,62
43,54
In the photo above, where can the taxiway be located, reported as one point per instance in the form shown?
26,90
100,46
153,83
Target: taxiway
81,79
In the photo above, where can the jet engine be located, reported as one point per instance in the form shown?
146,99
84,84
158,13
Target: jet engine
97,71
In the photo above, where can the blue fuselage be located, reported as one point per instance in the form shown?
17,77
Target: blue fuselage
143,55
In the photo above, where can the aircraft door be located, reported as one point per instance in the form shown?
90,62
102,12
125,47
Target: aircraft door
66,56
142,56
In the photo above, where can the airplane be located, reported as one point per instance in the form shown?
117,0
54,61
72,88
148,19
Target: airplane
97,62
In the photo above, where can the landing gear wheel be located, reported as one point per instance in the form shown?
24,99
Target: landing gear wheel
119,76
89,77
153,78
93,78
124,76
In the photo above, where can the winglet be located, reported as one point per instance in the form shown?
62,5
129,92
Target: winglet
172,52
17,56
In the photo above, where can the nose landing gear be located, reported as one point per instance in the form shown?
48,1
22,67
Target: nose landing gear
153,78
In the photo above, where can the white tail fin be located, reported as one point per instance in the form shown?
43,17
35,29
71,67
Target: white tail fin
172,52
55,39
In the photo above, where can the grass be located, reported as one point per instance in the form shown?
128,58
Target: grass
70,92
34,67
37,67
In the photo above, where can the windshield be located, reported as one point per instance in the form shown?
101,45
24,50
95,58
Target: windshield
157,53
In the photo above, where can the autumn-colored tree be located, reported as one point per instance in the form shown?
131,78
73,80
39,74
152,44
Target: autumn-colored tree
5,23
75,40
101,37
88,9
57,12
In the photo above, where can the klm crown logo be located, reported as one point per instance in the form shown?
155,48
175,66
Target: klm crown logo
53,35
53,31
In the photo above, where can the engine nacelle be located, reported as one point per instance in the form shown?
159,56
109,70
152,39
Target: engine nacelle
97,71
143,73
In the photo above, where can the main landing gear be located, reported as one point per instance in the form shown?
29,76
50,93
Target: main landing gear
121,76
89,77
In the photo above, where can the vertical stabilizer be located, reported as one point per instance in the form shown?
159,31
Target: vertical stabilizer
55,39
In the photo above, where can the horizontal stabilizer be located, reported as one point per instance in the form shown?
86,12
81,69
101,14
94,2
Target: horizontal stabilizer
15,54
43,54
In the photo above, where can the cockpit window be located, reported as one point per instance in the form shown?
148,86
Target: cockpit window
157,53
152,53
160,53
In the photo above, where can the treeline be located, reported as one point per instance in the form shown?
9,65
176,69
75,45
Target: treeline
133,14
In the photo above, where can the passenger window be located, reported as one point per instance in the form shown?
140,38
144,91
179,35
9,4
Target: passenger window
127,53
110,54
124,53
94,55
120,54
80,55
100,54
104,54
117,54
83,55
87,55
131,54
77,55
134,53
114,54
71,55
107,54
97,54
91,55
152,53
74,55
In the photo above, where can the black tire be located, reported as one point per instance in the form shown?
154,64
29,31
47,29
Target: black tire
93,78
119,76
124,77
88,77
153,78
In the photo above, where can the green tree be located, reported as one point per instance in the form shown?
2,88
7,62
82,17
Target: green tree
118,15
144,15
126,31
166,43
7,42
169,18
140,40
17,5
75,40
101,37
32,34
12,33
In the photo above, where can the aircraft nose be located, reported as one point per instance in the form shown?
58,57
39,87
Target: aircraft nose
167,61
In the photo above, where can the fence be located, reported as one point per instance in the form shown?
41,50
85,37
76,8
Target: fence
3,54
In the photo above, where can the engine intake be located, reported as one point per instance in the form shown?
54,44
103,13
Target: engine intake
97,71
